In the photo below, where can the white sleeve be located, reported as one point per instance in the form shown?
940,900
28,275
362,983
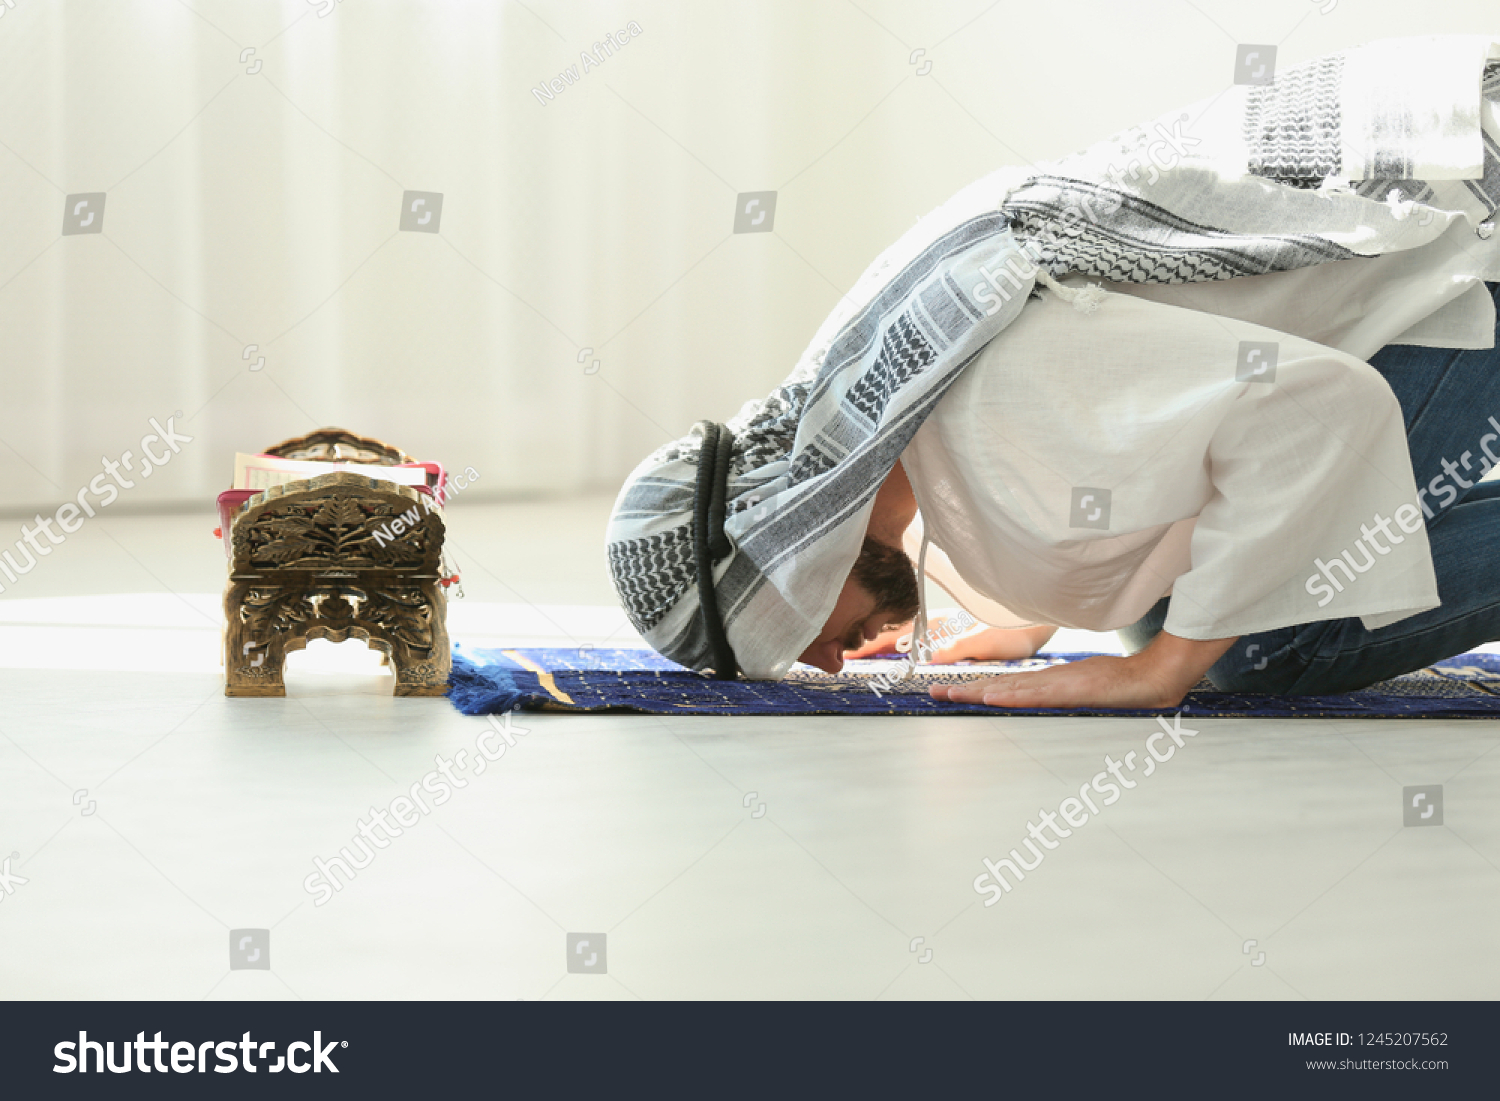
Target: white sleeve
1314,513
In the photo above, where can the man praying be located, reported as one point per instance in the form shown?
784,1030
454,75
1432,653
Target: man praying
1237,408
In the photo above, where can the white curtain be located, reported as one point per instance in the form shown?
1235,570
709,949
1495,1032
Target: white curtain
585,296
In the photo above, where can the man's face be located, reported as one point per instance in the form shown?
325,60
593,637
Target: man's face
854,620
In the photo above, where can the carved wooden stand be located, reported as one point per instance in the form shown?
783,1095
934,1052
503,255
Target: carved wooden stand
306,563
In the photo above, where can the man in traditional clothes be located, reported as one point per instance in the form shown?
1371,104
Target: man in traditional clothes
1254,447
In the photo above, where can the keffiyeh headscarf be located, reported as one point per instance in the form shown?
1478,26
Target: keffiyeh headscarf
1327,163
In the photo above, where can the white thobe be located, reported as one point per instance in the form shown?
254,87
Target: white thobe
1086,465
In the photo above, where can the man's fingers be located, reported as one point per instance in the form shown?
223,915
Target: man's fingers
1092,682
976,691
1037,696
1034,688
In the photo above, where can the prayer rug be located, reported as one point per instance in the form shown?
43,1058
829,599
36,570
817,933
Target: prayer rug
587,679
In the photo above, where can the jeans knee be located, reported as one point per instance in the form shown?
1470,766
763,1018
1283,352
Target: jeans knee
1263,665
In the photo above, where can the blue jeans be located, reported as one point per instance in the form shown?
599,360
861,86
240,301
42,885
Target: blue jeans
1447,398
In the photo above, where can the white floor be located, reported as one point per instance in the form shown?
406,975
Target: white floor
146,819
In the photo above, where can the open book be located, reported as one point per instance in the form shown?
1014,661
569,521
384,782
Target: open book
265,471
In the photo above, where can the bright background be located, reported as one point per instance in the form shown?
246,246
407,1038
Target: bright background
262,208
150,816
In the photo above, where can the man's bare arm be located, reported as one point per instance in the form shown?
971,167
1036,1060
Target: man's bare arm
1158,676
996,644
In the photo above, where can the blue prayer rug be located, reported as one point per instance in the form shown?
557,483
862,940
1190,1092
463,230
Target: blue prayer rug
487,682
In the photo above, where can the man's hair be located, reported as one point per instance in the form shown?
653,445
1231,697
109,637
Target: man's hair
887,574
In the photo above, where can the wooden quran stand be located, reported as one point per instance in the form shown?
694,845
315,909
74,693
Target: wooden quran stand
306,563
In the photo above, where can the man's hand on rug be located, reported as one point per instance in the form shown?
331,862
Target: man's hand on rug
1092,682
1159,676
